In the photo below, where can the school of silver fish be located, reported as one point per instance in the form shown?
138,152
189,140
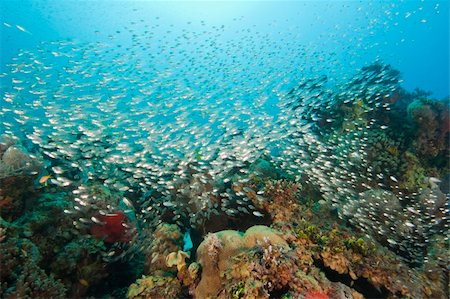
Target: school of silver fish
176,122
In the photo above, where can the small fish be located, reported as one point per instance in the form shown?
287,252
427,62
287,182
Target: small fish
22,29
257,214
45,179
84,282
434,180
128,202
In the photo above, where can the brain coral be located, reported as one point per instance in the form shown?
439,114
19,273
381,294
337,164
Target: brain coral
214,264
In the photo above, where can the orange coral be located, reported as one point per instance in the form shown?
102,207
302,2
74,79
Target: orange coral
281,200
335,261
315,295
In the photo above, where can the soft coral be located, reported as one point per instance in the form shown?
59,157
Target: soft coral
316,295
112,228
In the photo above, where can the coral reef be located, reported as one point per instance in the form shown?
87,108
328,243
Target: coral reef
43,255
279,193
167,238
14,196
33,282
155,287
165,268
339,249
433,127
80,264
17,172
239,257
265,270
377,212
21,275
15,161
348,212
303,261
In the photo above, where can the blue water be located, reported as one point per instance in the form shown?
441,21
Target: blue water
412,36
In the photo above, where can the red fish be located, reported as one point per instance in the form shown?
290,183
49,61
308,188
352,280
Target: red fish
112,228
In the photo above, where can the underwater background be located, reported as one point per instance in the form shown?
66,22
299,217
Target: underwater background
224,149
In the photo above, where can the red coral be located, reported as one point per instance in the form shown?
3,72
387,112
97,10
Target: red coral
316,295
112,228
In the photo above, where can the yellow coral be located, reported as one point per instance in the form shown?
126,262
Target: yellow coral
177,259
155,287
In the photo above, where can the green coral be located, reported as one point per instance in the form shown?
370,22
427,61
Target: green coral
354,115
238,291
359,245
286,296
307,230
414,174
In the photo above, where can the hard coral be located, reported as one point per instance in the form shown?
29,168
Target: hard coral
266,269
17,171
281,200
33,282
432,120
155,287
213,263
335,261
413,173
213,245
165,239
260,257
16,161
15,191
20,274
80,265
